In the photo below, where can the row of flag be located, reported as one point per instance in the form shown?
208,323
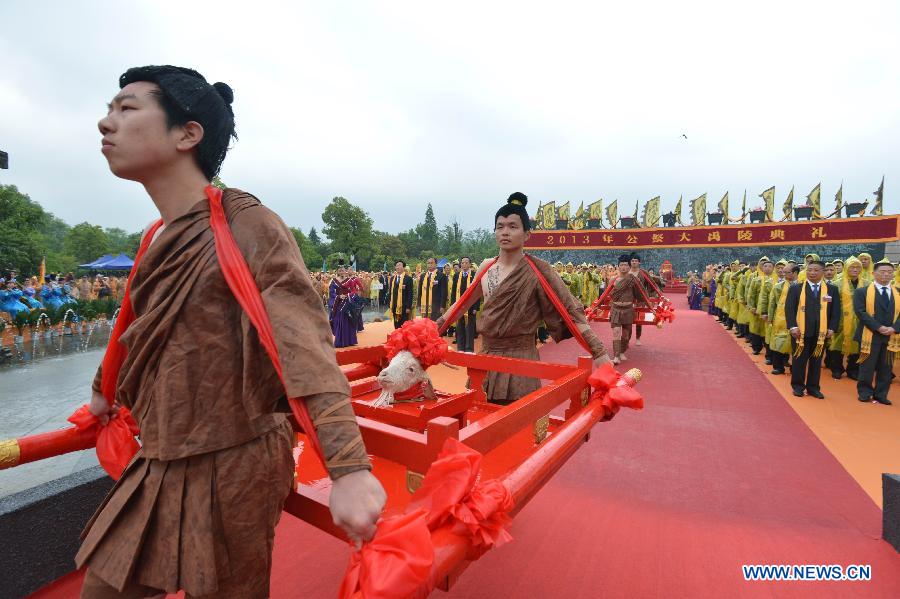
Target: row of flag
549,214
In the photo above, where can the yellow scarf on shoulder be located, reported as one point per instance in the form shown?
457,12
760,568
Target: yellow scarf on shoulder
823,320
780,322
865,344
397,297
459,279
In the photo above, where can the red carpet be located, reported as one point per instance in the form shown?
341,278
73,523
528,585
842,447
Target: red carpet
716,472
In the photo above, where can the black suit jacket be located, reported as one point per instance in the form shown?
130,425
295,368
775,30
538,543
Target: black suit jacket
407,291
813,305
884,315
464,284
439,291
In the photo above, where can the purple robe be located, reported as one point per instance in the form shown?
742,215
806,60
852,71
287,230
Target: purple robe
343,324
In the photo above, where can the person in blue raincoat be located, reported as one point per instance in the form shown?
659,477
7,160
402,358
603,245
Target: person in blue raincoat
9,302
28,298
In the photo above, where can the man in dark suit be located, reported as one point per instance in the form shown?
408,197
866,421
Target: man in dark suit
400,292
383,294
807,366
465,326
881,323
432,291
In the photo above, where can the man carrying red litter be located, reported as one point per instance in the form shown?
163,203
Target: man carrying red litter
196,509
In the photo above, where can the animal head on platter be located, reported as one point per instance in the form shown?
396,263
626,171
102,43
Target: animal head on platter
411,349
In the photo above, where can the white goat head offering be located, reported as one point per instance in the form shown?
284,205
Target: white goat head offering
411,349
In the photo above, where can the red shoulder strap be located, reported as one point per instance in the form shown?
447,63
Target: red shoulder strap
115,351
557,303
242,284
454,314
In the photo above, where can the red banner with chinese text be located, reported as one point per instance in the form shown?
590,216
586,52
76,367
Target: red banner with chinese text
873,229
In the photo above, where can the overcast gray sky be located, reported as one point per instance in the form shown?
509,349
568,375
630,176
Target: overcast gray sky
396,104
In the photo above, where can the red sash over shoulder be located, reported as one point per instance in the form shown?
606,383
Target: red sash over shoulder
115,442
456,312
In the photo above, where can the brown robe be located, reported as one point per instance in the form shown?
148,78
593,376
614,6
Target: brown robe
621,300
509,321
196,509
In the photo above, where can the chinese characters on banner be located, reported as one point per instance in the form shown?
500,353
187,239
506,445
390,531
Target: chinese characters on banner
848,230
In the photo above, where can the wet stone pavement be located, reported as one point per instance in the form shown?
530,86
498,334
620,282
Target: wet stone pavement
40,387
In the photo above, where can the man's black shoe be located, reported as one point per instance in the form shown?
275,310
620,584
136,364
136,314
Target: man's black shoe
884,401
816,394
768,361
777,371
798,393
864,399
836,376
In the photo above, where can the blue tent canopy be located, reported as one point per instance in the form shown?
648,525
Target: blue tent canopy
441,263
100,260
120,262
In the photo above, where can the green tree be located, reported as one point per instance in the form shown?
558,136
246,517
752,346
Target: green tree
479,244
54,233
387,246
350,230
21,220
311,256
428,230
121,242
451,240
87,242
412,241
316,241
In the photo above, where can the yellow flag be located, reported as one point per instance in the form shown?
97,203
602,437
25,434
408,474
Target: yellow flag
768,197
698,210
678,210
879,198
562,212
595,210
788,207
839,200
42,273
651,212
549,216
577,221
612,214
723,207
813,199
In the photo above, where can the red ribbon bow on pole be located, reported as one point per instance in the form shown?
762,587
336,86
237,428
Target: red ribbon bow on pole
398,561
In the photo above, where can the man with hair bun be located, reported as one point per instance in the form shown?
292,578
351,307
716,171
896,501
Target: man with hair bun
196,508
514,304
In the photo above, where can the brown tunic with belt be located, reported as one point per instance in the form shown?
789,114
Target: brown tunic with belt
509,320
197,507
621,299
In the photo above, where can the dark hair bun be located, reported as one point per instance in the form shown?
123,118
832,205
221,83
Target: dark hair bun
224,91
518,198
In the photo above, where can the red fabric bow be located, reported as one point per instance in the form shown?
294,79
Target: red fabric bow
613,392
115,441
397,562
419,337
665,313
452,494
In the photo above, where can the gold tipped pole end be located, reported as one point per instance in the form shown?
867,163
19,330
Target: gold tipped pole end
9,453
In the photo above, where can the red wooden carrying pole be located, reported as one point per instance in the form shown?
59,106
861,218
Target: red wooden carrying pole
15,452
451,551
